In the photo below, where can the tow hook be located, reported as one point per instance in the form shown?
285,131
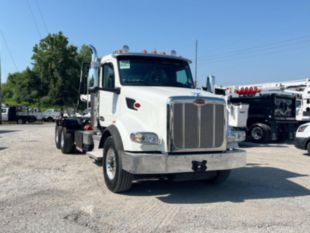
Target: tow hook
199,166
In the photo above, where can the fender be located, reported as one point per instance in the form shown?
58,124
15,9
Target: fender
70,123
112,131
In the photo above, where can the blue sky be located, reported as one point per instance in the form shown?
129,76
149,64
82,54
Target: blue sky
240,41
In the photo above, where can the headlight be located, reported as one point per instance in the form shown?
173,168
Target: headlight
235,135
145,138
302,128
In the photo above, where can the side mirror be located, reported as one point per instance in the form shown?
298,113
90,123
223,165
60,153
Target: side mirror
117,90
210,85
93,73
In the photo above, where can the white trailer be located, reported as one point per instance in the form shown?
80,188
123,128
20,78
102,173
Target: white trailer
148,120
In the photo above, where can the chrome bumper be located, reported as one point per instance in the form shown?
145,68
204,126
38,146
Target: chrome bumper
152,163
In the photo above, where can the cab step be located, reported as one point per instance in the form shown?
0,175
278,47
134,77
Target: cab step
96,153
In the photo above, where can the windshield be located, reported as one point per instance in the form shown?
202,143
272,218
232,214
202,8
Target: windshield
152,71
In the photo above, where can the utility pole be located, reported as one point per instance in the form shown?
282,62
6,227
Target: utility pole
0,93
196,53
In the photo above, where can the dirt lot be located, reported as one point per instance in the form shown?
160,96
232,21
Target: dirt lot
42,190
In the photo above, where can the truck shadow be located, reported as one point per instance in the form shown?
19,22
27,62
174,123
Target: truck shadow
8,131
243,184
274,144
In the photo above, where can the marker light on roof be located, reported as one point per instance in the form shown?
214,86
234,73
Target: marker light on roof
154,51
173,52
163,53
145,51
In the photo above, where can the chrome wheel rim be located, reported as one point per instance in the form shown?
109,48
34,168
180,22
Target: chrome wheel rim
257,133
110,164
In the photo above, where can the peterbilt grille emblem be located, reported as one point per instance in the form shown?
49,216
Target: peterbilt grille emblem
199,101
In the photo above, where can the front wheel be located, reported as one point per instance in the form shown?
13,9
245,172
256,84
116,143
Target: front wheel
220,177
117,180
308,148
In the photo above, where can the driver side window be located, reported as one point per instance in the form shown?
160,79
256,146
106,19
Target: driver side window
108,76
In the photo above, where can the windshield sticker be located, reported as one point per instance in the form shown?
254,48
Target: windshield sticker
124,64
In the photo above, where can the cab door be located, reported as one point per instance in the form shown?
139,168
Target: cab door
107,96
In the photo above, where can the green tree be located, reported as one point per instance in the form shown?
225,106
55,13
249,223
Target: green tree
21,88
84,55
54,78
56,62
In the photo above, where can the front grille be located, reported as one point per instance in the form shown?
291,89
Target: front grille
197,127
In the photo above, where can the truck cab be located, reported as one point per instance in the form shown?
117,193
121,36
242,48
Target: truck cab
149,119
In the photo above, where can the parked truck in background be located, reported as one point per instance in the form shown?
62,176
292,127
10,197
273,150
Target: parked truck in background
148,120
11,114
271,117
49,115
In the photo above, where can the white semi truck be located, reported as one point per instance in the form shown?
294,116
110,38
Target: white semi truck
148,120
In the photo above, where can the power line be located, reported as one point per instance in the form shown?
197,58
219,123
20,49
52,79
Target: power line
266,45
259,48
8,49
41,16
256,51
244,56
34,19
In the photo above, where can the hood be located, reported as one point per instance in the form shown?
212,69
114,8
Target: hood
163,93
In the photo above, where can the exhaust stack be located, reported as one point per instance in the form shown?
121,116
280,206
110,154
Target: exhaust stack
93,84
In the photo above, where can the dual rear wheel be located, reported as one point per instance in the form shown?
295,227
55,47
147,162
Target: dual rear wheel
64,140
259,133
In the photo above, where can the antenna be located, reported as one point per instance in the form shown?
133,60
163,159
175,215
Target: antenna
196,53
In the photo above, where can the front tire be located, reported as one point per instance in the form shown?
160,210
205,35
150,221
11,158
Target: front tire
308,148
220,177
117,180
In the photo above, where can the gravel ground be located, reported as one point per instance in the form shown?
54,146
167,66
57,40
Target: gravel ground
42,190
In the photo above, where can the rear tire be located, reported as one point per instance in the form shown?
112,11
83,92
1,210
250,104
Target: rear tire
220,177
116,179
259,133
66,142
57,136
